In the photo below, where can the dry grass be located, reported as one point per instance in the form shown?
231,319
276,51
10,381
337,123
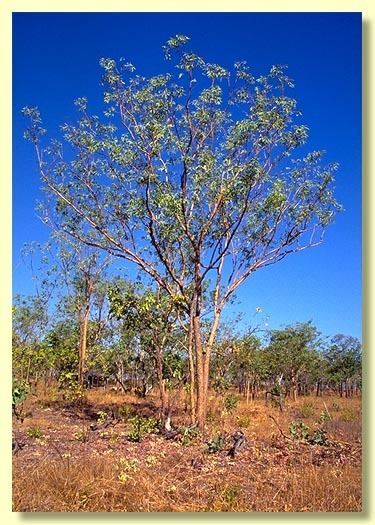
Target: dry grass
58,473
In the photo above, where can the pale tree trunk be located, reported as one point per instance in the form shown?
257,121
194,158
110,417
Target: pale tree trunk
83,329
247,390
201,397
192,375
294,385
161,384
83,346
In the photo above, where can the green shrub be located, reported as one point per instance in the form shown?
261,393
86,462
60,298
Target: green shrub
298,430
34,432
81,435
230,403
19,394
125,412
127,467
101,417
216,444
319,437
231,493
244,421
140,426
324,417
188,434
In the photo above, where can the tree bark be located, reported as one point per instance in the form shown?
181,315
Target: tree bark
83,329
294,385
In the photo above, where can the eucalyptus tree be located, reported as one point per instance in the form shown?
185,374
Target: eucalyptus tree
151,317
292,351
191,175
72,277
344,363
29,326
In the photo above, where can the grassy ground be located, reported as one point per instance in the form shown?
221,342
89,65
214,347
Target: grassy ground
62,465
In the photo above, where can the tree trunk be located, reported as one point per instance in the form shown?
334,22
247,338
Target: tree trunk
192,375
83,328
161,384
201,395
83,346
247,390
207,359
294,385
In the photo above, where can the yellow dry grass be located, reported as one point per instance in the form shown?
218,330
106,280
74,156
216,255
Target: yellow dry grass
262,479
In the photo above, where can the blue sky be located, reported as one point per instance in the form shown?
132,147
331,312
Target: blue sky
55,60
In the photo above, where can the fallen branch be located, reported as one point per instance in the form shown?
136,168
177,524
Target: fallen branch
280,429
106,424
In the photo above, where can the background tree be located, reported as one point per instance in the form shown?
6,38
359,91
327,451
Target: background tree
344,358
151,316
189,175
293,351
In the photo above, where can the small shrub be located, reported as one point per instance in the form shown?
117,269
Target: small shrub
73,392
324,417
151,460
319,437
244,421
220,385
230,494
113,437
140,426
230,403
125,412
19,395
126,468
335,407
298,430
34,432
188,434
212,417
216,444
307,410
102,417
81,435
348,414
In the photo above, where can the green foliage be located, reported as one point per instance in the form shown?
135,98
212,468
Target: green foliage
216,443
101,417
319,437
220,384
34,432
81,435
188,434
125,412
244,421
141,426
172,146
72,392
126,468
231,493
19,394
324,417
230,403
299,430
344,357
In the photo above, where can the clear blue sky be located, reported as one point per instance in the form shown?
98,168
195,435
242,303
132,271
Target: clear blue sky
55,60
